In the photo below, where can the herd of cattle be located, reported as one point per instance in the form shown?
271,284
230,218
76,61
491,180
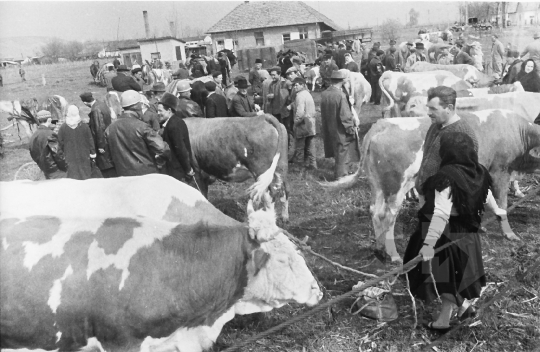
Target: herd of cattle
149,262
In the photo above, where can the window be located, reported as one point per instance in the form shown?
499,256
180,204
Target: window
259,38
303,32
235,43
286,37
155,56
220,45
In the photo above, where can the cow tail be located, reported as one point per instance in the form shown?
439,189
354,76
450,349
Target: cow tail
387,95
257,190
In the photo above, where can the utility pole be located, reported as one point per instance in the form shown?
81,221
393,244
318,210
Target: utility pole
118,29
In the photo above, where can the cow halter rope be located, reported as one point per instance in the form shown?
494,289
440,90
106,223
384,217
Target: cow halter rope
403,269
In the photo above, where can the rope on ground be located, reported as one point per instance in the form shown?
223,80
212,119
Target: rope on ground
511,284
397,271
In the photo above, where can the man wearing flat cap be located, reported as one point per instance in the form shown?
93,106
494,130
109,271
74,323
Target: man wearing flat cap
326,69
123,81
108,76
376,70
533,50
150,115
415,57
137,74
176,134
100,119
43,147
216,105
275,102
399,61
255,78
338,127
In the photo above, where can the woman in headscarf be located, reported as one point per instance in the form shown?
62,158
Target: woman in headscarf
75,142
455,198
528,77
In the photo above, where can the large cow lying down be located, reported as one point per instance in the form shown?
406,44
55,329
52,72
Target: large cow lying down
398,87
468,73
237,149
135,262
392,153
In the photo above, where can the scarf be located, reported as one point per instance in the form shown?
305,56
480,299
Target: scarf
73,121
460,170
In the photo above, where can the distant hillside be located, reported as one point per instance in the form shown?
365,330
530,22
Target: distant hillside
13,47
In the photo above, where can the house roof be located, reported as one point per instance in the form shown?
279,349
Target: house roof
195,38
262,14
529,6
512,7
129,47
160,39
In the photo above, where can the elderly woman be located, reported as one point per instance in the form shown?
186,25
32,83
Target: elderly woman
75,142
455,198
528,77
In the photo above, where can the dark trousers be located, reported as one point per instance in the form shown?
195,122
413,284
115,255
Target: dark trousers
109,173
343,164
306,146
55,175
376,89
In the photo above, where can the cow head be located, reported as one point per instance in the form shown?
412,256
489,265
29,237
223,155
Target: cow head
277,274
262,223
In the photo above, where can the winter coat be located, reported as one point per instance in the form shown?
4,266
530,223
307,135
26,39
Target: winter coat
304,117
242,106
76,145
100,119
121,83
176,134
43,147
133,145
188,108
216,106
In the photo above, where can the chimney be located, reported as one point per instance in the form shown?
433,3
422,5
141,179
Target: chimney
173,29
146,25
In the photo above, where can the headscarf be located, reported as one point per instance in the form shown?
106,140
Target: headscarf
73,118
460,170
530,81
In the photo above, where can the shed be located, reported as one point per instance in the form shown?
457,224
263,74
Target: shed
165,48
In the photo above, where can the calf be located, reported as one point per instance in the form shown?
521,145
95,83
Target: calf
135,261
392,153
237,149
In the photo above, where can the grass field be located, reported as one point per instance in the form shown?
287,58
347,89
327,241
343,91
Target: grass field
339,227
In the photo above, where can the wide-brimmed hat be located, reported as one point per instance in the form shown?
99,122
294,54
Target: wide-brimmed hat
122,68
420,46
338,75
136,70
169,100
242,84
158,87
258,61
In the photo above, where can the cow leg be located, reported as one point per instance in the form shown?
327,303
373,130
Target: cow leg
384,215
500,187
284,200
514,179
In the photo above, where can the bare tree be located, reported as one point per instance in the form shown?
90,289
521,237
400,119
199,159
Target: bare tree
54,48
390,29
413,17
72,49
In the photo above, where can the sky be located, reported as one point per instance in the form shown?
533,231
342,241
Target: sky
103,20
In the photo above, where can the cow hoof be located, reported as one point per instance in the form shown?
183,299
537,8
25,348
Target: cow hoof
519,194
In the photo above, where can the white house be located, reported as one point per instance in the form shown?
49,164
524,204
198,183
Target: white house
164,48
524,13
131,55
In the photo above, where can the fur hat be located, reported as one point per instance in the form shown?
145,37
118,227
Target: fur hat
86,97
169,101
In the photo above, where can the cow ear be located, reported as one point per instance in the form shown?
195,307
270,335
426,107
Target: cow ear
250,207
535,152
260,258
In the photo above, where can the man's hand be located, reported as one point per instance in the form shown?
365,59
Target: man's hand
101,151
257,107
351,130
427,252
289,107
260,112
191,174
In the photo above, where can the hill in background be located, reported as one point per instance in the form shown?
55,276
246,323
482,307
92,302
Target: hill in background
13,47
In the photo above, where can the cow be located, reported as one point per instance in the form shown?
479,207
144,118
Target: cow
392,153
155,75
359,89
235,149
313,77
144,262
468,73
25,112
398,87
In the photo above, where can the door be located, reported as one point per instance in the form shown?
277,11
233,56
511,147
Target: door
127,60
178,52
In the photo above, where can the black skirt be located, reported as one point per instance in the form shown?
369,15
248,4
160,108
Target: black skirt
458,269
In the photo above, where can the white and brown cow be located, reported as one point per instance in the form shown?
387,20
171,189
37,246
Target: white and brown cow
139,262
392,153
236,149
398,87
468,73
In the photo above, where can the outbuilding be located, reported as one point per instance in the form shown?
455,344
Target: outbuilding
164,48
131,55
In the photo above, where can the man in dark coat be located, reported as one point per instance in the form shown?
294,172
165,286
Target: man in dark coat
340,56
199,94
216,105
338,130
100,119
376,70
135,148
255,78
225,67
187,107
123,81
150,114
43,147
276,99
242,104
176,134
116,63
326,69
